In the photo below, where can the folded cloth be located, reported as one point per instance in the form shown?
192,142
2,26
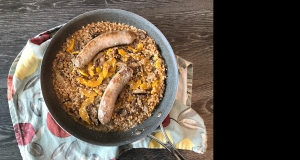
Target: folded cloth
39,137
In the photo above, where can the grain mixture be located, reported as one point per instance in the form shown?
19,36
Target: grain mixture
79,90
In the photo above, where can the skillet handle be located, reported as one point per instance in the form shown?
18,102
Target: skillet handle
168,145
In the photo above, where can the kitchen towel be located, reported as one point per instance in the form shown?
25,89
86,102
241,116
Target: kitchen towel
39,137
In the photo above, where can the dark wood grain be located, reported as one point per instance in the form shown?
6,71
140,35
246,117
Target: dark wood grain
188,25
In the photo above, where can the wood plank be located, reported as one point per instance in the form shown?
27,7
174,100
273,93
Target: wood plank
188,25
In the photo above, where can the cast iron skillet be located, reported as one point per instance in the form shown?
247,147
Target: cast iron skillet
80,131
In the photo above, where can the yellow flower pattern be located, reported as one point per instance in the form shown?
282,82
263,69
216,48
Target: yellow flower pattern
186,143
160,136
27,64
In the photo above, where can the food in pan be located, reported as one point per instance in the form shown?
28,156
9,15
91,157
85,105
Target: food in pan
109,76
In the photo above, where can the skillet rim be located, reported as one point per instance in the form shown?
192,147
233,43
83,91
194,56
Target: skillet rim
110,138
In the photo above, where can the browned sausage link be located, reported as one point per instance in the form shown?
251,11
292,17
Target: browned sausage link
111,93
101,42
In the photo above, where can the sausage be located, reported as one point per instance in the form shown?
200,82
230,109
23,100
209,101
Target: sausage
103,41
111,93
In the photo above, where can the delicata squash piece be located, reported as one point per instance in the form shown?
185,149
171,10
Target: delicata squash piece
71,46
91,69
83,111
90,82
88,93
101,42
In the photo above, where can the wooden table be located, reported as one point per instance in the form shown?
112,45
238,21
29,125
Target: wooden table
188,25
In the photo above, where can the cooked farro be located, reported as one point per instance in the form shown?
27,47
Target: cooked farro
80,90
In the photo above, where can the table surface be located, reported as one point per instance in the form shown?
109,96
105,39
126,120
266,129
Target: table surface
187,25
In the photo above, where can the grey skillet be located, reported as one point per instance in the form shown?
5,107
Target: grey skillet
78,130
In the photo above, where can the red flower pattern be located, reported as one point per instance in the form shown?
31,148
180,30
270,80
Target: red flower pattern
10,87
24,133
40,39
54,128
166,122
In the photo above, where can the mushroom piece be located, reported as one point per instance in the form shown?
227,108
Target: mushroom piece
139,91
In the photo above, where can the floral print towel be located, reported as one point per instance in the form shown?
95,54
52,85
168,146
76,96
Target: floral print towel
39,137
